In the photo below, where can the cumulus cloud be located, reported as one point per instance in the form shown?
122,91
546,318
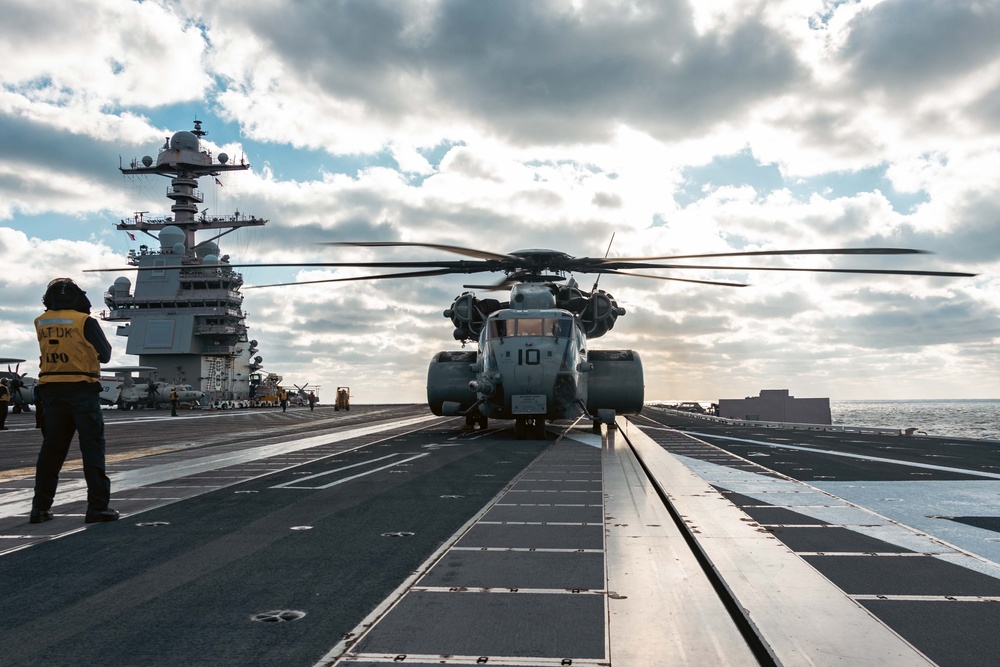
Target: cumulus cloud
524,124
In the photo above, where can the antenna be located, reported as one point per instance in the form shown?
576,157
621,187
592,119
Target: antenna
606,253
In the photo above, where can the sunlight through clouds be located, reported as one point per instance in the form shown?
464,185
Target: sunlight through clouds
679,127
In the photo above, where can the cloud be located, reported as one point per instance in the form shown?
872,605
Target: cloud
512,125
81,57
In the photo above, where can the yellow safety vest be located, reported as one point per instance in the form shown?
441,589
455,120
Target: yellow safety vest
66,355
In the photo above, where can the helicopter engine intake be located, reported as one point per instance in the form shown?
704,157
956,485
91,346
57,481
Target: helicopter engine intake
468,313
598,311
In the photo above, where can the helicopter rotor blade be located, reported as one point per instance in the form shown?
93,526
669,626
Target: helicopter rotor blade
382,276
683,280
769,253
458,266
506,283
890,272
467,252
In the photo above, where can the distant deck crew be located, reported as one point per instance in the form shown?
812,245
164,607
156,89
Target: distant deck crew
173,401
72,347
283,399
4,402
312,400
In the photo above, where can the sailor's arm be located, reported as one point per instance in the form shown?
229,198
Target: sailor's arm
95,336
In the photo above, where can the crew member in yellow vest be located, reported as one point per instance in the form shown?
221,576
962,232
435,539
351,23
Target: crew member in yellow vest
173,401
72,347
283,398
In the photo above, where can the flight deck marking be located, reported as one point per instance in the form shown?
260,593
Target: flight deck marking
863,457
295,483
14,503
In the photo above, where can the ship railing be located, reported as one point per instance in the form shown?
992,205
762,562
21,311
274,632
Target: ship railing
193,298
222,295
196,195
876,430
216,329
241,219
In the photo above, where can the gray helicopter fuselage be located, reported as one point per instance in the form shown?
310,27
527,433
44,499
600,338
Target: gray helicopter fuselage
134,395
532,362
533,365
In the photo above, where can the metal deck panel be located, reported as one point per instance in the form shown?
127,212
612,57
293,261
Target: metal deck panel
558,485
492,624
833,539
780,516
518,569
549,536
546,513
801,615
913,575
956,633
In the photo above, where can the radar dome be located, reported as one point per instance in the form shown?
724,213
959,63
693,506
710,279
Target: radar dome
121,286
169,236
206,249
223,158
146,160
184,141
178,248
210,259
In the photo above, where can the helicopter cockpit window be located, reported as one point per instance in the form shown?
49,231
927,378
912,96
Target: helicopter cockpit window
530,326
498,329
561,328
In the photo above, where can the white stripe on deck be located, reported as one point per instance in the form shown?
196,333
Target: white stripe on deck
19,502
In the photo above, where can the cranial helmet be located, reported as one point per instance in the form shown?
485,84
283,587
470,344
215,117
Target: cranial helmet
64,294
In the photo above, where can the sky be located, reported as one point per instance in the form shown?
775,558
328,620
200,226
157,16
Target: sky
677,126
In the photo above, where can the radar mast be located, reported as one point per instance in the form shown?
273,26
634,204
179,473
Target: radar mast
185,314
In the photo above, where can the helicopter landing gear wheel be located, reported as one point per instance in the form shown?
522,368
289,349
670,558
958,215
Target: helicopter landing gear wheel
470,422
529,427
484,423
520,427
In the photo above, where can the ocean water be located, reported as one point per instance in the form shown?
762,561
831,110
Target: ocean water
954,418
957,418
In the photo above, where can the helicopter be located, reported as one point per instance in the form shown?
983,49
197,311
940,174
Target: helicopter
20,391
302,393
127,392
533,362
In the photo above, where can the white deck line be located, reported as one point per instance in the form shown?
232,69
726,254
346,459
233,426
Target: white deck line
802,617
849,455
19,502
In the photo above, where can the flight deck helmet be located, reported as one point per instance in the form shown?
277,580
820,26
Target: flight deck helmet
65,294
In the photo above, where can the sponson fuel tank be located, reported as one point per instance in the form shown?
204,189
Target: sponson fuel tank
616,383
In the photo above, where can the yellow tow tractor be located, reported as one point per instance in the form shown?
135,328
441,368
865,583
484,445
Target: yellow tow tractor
343,399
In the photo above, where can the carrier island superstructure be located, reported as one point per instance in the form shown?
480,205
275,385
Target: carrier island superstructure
184,314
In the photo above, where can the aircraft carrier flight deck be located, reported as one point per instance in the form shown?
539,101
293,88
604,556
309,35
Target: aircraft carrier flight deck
385,535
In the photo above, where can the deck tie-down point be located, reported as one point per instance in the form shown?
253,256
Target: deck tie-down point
278,616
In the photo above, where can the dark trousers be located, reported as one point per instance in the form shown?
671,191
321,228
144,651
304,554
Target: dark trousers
3,414
65,415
